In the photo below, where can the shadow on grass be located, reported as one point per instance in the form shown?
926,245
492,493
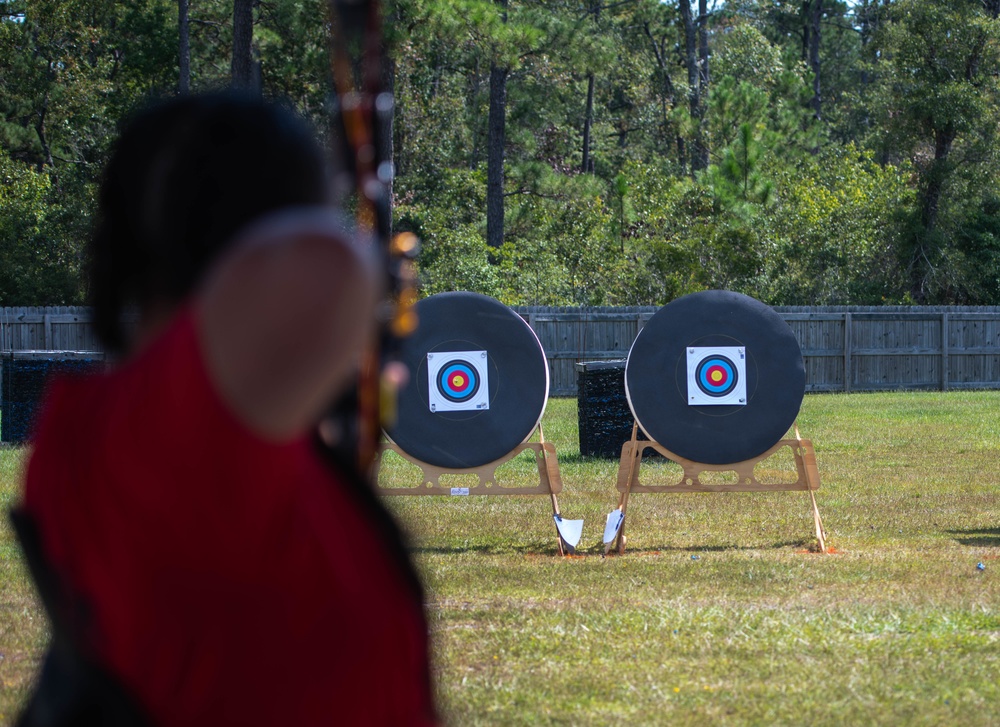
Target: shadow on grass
805,543
982,538
536,548
540,548
577,458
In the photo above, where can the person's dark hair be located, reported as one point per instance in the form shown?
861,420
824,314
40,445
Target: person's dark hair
184,177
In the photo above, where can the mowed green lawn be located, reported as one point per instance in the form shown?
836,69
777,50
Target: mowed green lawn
718,613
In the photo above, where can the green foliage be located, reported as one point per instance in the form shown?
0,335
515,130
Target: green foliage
938,98
894,183
744,54
39,262
737,180
977,241
679,244
458,259
574,257
835,232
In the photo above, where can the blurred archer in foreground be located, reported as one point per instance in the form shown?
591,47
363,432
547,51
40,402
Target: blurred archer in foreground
204,561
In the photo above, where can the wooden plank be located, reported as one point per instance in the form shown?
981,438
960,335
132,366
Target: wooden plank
34,318
847,353
811,316
944,352
897,351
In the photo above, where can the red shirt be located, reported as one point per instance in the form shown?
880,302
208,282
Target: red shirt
229,580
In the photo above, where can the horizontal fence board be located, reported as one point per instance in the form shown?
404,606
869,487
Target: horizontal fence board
844,348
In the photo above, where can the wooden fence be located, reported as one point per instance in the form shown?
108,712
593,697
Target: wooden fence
47,329
844,348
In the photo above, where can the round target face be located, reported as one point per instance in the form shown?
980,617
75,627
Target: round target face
479,381
715,377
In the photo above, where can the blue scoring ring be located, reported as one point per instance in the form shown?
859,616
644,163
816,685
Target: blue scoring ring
706,366
447,385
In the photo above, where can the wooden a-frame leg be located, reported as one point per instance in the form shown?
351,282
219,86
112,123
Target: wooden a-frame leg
623,502
555,511
818,522
549,474
812,478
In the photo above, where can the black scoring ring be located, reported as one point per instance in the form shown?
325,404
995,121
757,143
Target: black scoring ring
458,380
719,366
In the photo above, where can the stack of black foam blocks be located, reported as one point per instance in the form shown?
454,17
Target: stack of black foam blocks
24,382
604,416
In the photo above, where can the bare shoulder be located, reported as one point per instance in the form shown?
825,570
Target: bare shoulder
284,316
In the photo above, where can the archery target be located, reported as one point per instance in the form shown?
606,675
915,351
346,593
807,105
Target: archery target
716,376
479,382
458,381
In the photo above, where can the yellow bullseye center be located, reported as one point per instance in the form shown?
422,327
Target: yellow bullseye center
716,376
456,381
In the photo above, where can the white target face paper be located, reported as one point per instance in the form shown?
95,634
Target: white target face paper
458,381
716,376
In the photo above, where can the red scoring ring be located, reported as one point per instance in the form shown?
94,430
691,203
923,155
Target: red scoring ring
710,375
458,381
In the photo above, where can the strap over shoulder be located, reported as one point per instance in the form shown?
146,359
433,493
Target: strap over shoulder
73,689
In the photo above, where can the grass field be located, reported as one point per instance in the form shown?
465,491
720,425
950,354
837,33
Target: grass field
718,614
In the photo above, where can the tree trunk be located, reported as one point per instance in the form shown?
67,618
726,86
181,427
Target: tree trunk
864,12
495,156
242,63
699,154
703,77
815,15
44,141
496,148
668,96
475,84
930,201
184,48
586,164
931,197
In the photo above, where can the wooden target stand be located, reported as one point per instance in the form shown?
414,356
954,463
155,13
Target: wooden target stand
546,461
746,480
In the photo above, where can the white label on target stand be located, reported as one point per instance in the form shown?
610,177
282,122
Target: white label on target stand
458,381
716,375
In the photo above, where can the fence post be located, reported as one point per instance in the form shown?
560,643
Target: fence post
847,353
945,373
47,322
